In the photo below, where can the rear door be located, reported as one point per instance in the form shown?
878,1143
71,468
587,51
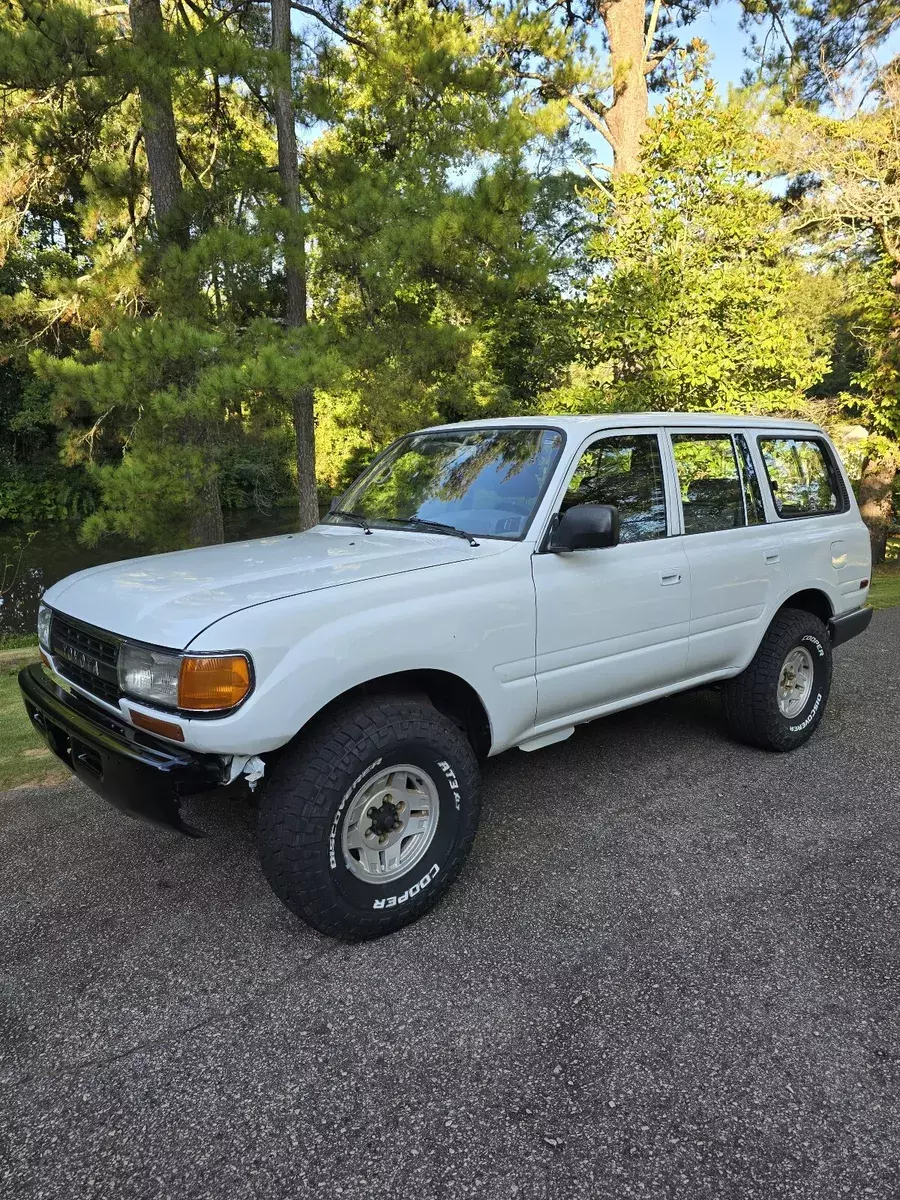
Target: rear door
735,557
826,545
613,623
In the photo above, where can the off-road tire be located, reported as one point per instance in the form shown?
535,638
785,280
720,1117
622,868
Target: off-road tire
310,793
751,698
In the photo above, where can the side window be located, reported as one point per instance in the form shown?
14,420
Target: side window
800,475
626,471
756,513
711,490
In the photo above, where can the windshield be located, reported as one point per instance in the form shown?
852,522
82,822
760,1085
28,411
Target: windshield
483,481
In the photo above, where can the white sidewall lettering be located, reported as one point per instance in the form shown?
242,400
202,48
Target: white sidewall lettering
452,780
812,713
335,824
396,901
814,641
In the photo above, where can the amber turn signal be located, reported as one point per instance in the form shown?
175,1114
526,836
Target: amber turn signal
154,725
207,684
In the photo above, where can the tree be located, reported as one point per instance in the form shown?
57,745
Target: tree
697,303
428,244
295,253
555,48
429,229
845,199
813,49
158,120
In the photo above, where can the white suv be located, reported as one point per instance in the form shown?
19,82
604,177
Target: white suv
481,586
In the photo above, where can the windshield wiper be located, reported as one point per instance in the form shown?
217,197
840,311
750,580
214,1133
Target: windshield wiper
351,516
437,526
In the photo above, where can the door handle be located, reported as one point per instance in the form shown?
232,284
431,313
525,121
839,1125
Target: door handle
772,557
668,578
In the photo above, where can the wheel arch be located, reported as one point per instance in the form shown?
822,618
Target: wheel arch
449,693
811,600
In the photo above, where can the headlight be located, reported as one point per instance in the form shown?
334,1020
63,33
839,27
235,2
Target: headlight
149,674
198,683
43,625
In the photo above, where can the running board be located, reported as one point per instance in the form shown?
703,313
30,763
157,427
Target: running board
548,739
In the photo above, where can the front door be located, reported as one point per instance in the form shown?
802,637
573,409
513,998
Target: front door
613,624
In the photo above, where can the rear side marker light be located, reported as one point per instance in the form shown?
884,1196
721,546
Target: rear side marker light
864,584
154,725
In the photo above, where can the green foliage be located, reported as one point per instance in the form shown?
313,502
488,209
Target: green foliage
55,499
456,263
17,641
814,49
697,303
427,236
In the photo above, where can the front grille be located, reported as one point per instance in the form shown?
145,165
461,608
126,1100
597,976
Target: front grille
91,641
86,656
91,683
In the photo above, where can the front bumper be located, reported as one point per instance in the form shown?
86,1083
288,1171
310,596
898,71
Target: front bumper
138,774
850,625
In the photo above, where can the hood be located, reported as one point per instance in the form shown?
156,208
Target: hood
167,599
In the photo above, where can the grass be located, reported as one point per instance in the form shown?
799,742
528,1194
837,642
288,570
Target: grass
885,589
18,641
24,759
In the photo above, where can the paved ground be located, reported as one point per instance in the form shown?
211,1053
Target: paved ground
670,970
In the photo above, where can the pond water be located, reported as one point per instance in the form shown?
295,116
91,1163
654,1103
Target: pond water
28,568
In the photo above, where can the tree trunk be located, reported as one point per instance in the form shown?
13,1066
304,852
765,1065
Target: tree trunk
876,502
626,118
158,122
207,527
295,258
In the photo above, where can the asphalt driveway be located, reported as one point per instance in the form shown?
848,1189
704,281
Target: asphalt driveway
670,970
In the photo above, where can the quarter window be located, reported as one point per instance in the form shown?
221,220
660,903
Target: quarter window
756,513
626,471
711,487
800,475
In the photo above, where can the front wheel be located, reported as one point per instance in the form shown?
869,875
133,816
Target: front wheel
779,700
365,823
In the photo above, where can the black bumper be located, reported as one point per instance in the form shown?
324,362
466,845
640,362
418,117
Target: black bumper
140,775
846,627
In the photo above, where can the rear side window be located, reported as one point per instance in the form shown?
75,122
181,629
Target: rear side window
710,482
801,476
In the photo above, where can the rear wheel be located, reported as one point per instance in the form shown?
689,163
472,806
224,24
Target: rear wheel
365,823
779,700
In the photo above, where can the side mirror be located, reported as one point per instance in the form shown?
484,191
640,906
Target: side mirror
334,503
585,527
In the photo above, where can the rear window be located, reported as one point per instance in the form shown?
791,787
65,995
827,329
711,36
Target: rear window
801,476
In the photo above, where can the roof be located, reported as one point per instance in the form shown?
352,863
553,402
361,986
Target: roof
631,420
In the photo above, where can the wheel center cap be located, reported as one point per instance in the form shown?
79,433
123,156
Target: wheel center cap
384,819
